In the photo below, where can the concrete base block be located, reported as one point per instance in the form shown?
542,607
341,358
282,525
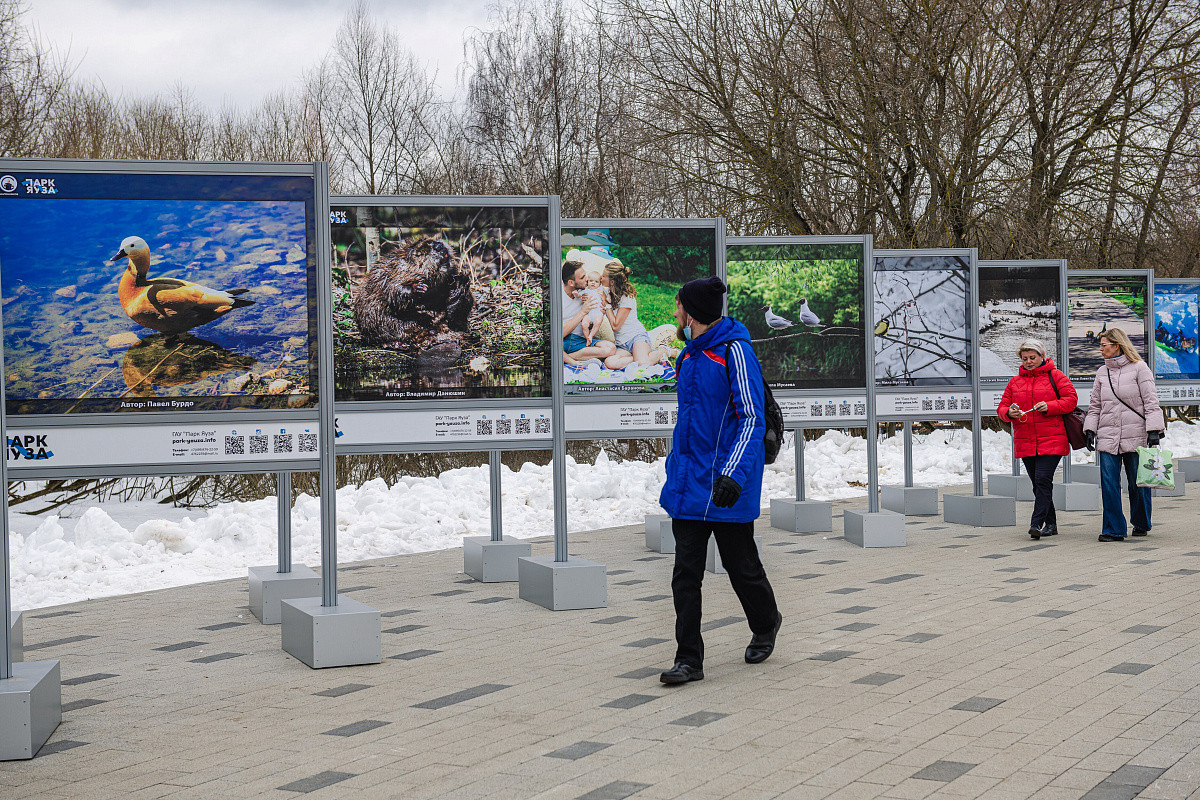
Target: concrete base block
16,635
1085,473
30,708
660,537
1076,496
802,516
268,587
563,585
493,562
713,562
980,511
335,636
1190,467
1178,491
1015,486
912,501
874,528
654,520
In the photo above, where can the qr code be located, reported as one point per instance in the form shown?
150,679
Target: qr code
283,443
939,405
235,445
844,410
860,409
926,404
966,404
541,425
308,443
523,427
674,415
258,445
661,417
504,427
815,410
952,404
483,427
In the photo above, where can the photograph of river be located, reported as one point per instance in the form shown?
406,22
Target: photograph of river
1015,303
1097,303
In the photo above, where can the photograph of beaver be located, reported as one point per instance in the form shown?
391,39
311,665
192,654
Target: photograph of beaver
416,295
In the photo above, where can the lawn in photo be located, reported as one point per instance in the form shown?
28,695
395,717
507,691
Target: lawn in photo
803,305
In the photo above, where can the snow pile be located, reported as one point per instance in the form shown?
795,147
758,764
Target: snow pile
118,548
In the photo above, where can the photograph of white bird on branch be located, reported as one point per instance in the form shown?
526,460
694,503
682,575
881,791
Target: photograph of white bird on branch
921,310
195,295
803,305
1015,303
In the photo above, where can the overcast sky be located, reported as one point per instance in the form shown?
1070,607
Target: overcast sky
235,50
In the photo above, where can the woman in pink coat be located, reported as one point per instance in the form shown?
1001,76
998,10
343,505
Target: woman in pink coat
1123,415
1035,401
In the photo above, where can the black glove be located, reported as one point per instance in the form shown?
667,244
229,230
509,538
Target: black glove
1153,438
725,491
1091,440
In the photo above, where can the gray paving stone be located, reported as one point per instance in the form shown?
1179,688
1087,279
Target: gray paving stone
1012,569
355,728
944,771
221,626
215,657
633,582
617,790
489,600
1010,598
612,572
1133,775
413,654
97,676
611,620
649,642
451,593
846,590
1020,580
62,745
833,561
654,598
54,614
630,701
801,552
1055,613
404,628
807,576
878,679
578,750
1129,668
462,696
400,612
979,704
650,558
58,642
641,672
1144,561
350,589
343,690
855,610
75,705
188,645
920,638
723,622
906,576
1077,587
699,719
855,627
833,655
318,781
1112,791
1179,572
1143,629
1031,548
998,555
953,546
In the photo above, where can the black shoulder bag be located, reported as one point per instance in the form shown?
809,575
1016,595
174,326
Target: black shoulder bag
1072,420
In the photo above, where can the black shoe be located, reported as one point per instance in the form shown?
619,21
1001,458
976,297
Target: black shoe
682,673
1104,537
1034,533
1141,533
763,644
1050,530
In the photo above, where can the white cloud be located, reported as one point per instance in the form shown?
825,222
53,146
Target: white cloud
235,51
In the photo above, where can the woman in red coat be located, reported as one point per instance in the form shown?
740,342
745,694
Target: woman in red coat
1036,411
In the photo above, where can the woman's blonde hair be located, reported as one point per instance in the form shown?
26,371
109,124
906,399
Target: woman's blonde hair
1034,345
618,280
1121,339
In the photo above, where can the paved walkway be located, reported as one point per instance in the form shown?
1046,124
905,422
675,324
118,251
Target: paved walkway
973,663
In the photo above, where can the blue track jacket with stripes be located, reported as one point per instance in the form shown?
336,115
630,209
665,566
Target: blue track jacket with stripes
720,428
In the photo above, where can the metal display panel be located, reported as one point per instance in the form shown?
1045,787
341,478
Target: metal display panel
174,329
804,300
1177,341
1098,300
1018,300
442,324
662,256
922,316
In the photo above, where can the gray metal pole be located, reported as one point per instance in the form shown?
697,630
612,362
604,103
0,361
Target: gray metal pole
326,422
1016,465
1064,348
6,668
908,457
558,421
283,490
497,496
869,354
799,446
976,415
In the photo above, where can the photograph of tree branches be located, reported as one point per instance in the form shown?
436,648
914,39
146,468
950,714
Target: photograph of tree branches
922,336
803,305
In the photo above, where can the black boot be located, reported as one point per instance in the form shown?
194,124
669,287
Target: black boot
763,644
1049,529
1035,533
682,673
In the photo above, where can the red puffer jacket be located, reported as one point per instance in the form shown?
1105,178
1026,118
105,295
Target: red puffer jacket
1039,433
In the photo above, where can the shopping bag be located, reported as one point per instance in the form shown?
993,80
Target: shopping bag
1155,468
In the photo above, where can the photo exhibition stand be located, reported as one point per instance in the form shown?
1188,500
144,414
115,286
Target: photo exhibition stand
270,585
801,515
328,631
493,559
1177,391
560,582
909,499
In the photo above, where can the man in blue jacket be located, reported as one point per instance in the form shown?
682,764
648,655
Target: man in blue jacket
714,474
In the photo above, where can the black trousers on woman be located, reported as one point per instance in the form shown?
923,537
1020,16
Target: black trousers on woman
735,542
1041,474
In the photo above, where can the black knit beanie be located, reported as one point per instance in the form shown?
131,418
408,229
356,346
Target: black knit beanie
701,299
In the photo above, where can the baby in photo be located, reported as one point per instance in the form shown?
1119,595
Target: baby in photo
591,322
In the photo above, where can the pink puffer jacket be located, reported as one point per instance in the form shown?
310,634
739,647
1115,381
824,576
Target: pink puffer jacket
1119,429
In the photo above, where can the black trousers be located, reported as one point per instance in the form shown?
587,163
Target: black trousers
735,542
1041,474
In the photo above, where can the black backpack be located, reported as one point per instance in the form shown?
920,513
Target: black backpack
773,435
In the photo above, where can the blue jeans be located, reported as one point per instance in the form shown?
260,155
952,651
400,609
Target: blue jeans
1110,495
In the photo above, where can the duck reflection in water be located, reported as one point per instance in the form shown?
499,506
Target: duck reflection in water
163,359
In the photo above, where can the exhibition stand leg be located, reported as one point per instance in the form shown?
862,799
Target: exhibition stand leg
31,691
800,515
1189,468
269,585
660,536
320,631
1016,484
493,559
1076,495
563,582
910,500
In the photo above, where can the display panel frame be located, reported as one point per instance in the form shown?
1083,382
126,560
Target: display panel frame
179,432
942,402
800,405
1148,276
616,414
407,424
1173,388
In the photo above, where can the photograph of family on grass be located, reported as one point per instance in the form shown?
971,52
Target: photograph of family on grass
803,306
618,302
440,302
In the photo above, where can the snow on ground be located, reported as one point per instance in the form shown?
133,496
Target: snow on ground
119,548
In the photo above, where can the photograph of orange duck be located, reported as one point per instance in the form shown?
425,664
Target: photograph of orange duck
168,305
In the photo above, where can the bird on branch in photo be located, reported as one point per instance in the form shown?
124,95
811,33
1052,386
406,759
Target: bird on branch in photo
881,327
776,322
807,316
168,305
